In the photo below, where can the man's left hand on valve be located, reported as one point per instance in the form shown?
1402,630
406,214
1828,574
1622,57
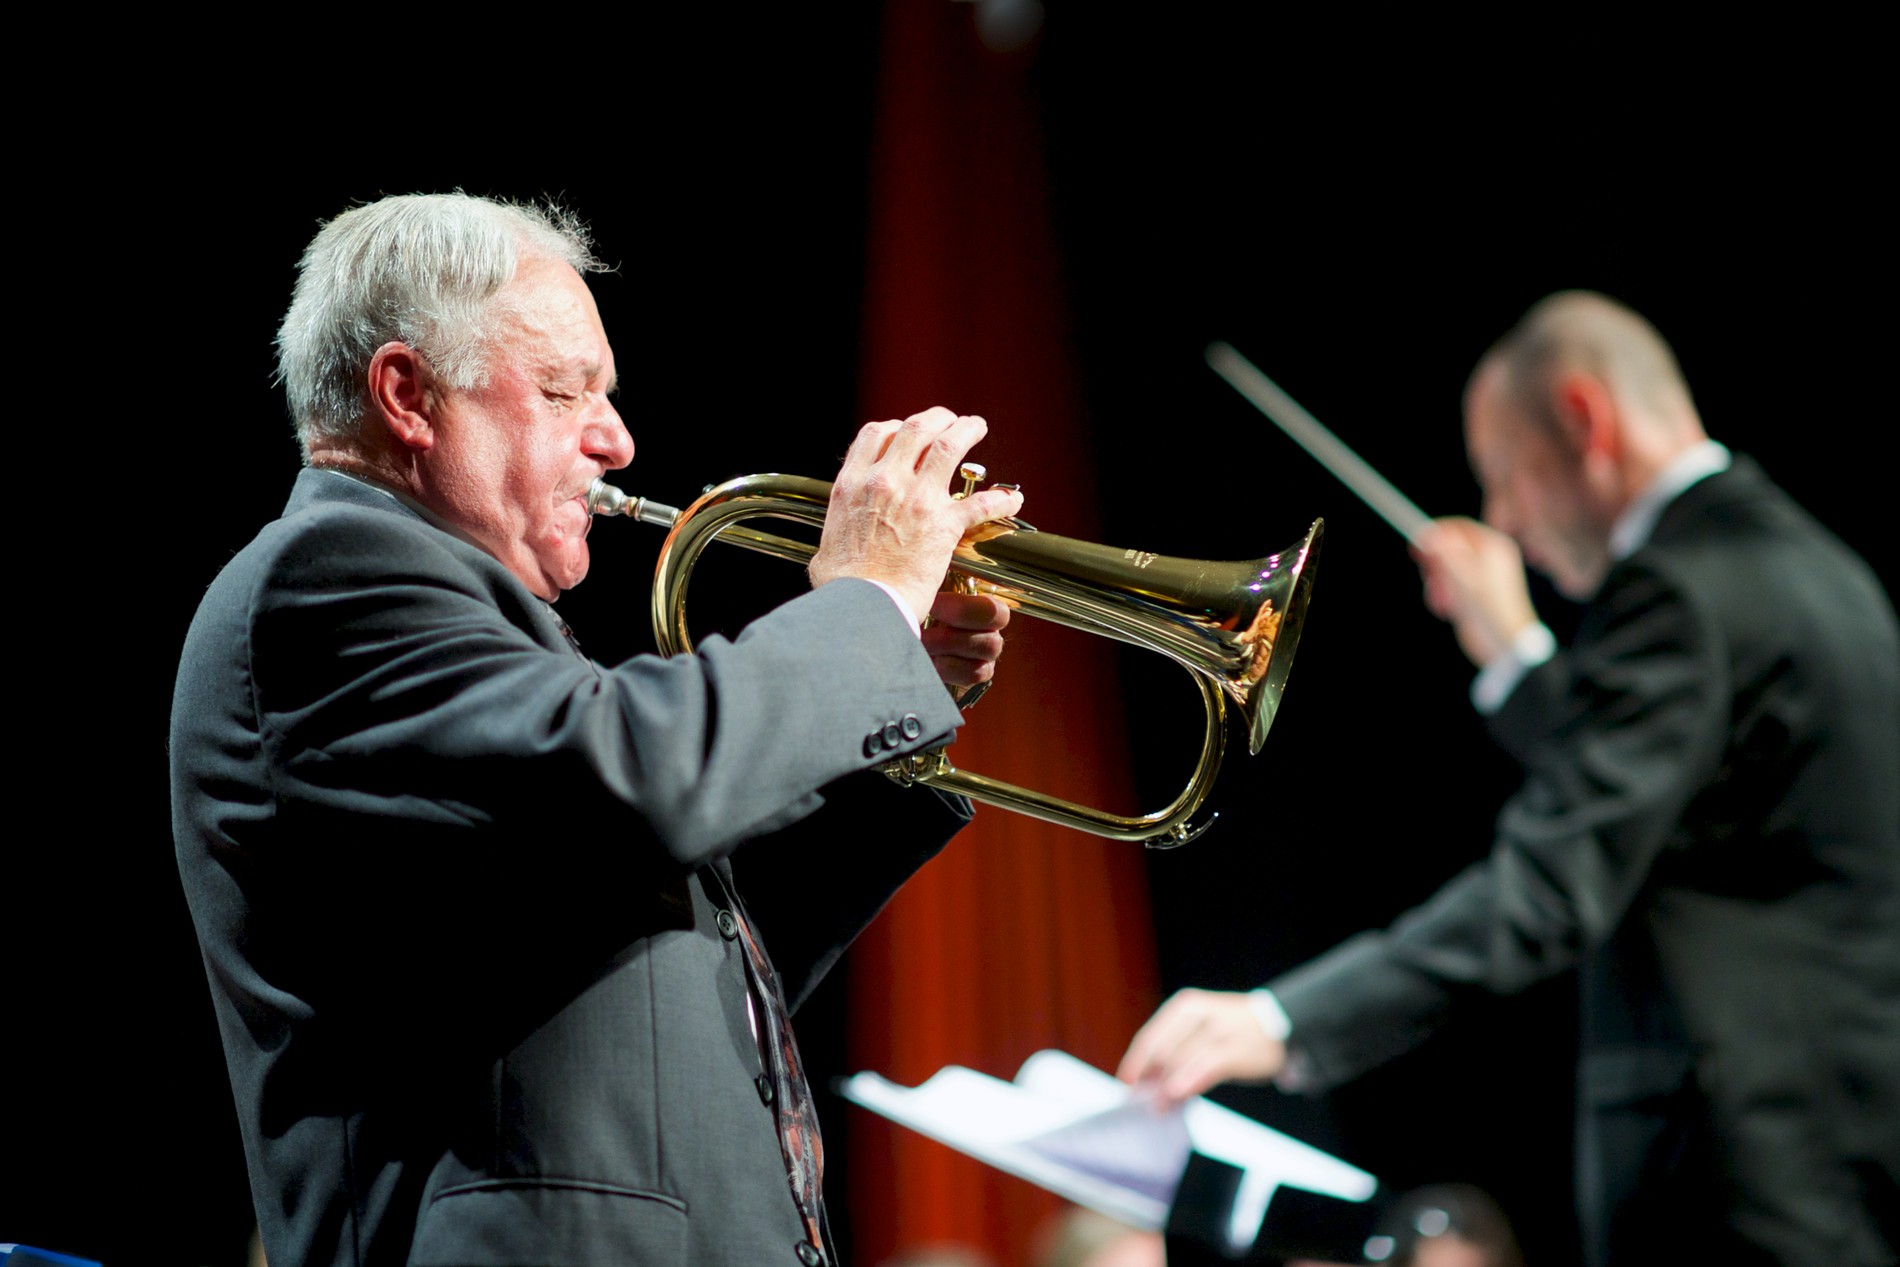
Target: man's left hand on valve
964,636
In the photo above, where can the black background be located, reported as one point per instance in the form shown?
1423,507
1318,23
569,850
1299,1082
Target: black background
1362,216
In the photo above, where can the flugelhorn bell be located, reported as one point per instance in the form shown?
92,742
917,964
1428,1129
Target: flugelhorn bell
1233,626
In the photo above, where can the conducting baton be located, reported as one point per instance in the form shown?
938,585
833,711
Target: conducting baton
1371,487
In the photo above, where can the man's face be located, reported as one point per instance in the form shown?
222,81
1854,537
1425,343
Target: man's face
1534,490
513,457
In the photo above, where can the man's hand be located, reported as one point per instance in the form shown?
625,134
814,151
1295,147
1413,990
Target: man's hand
1474,578
964,637
1199,1039
891,516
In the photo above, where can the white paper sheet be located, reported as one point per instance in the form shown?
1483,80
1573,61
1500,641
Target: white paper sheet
1076,1131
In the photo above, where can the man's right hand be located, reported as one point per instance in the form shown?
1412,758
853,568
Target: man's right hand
1199,1039
891,517
1474,579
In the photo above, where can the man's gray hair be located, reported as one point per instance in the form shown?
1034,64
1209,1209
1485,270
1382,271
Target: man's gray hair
420,269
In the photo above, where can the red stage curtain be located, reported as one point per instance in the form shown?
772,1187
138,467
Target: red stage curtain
1023,935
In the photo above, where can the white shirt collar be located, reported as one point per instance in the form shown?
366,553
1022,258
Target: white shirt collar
1632,528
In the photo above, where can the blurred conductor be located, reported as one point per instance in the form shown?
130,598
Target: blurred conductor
1708,828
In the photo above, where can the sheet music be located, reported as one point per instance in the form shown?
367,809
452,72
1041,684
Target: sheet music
994,1121
1130,1146
1078,1132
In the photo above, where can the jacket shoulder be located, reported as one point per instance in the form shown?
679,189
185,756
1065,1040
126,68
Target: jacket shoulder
328,576
1740,544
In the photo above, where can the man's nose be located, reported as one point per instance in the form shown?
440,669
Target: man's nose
608,438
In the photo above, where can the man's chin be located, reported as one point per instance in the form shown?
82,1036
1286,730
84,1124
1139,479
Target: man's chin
1573,574
549,579
572,571
1578,584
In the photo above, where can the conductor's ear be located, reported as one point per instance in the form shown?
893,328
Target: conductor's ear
401,393
1587,411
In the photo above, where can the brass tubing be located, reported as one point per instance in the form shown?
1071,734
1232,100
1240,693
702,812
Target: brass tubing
1233,626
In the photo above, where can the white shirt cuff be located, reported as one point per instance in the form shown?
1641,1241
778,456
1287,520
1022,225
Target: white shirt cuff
1279,1027
1272,1017
1533,645
902,606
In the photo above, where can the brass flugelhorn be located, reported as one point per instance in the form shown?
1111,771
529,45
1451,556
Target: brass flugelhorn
1233,626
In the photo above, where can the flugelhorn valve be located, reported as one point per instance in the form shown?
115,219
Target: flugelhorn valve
973,474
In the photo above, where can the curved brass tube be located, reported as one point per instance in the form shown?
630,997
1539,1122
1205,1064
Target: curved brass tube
1233,626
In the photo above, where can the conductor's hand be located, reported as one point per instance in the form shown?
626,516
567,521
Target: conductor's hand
1199,1039
891,516
1474,578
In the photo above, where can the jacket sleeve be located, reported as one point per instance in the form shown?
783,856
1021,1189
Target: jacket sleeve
396,679
815,886
1611,765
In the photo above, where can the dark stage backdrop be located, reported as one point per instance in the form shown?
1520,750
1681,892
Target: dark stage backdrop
1362,232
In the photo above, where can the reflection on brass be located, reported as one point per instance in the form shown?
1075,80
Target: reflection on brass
1233,626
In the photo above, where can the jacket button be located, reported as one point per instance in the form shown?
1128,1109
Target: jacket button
911,726
766,1094
873,743
892,735
810,1255
728,924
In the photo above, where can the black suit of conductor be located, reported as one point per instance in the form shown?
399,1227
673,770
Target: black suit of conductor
1710,826
459,892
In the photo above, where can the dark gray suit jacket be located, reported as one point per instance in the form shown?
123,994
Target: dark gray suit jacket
455,888
1710,827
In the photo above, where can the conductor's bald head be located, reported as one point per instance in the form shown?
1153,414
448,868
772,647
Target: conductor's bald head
1567,419
1582,332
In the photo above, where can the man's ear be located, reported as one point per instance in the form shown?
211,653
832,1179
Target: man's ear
402,395
1587,411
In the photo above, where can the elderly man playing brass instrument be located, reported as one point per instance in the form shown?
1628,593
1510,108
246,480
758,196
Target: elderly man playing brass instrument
501,940
1709,826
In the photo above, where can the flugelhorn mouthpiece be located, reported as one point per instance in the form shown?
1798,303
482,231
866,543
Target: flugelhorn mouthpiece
604,499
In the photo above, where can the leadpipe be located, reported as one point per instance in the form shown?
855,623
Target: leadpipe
1331,452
